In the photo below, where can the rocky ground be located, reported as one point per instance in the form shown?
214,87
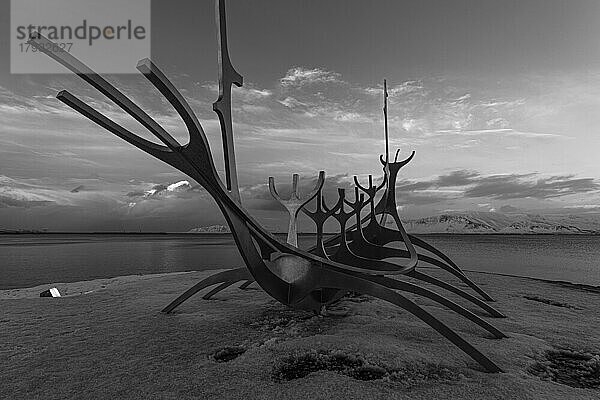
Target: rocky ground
107,339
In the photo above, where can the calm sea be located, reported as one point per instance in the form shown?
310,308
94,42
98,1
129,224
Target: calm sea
30,260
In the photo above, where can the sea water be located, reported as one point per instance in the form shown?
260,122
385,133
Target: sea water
30,260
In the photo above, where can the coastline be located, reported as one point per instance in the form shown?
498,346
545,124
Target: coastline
70,289
88,286
114,342
572,285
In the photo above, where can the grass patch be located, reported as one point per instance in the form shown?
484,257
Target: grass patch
301,365
572,368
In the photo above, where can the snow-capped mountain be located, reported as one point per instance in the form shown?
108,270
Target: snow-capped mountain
179,186
160,190
485,222
490,222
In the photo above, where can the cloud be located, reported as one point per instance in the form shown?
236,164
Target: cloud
315,95
351,117
420,198
457,178
291,102
506,186
301,76
107,206
15,193
465,184
499,131
402,89
311,118
247,93
516,186
456,185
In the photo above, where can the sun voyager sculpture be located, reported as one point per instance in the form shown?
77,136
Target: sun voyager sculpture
358,259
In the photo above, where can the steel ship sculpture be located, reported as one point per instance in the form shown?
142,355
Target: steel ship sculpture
358,259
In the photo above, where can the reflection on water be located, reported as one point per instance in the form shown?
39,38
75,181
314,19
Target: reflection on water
29,260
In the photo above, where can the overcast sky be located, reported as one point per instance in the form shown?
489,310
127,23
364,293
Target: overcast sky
499,99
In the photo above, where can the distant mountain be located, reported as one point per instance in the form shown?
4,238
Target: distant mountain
164,190
484,222
490,222
211,229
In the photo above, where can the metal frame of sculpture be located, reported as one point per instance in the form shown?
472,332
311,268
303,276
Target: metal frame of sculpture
295,204
356,260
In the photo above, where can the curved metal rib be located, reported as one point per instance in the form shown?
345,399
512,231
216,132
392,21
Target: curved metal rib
451,288
365,249
294,203
166,88
457,273
360,285
343,253
421,291
196,153
65,58
245,285
219,288
371,192
346,255
161,152
319,217
368,250
386,206
401,163
387,235
380,235
235,275
371,187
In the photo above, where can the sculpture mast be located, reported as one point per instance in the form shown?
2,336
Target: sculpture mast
227,76
385,117
386,168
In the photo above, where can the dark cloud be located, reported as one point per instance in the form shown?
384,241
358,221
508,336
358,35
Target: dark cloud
453,179
470,184
418,199
411,186
258,197
515,187
457,178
